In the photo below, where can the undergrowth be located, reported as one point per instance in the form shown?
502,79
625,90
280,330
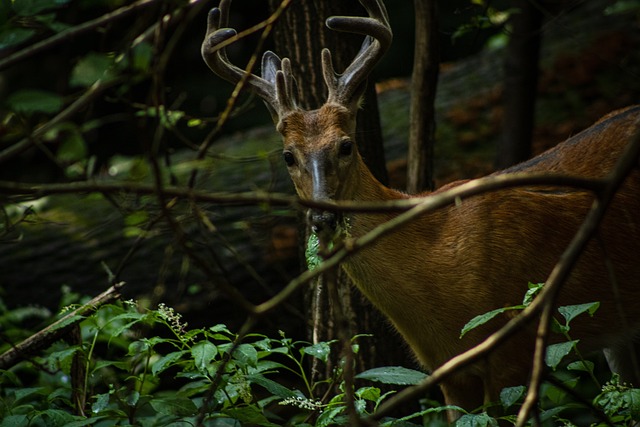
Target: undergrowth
129,365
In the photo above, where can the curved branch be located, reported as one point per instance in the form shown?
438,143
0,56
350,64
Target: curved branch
73,32
555,280
434,201
96,89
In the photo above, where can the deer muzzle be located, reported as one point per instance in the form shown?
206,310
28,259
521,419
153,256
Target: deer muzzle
321,221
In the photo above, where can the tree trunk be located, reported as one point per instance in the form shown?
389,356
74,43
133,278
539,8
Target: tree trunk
424,80
301,35
520,85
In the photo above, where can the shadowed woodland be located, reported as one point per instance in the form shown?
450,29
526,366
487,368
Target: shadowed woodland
125,162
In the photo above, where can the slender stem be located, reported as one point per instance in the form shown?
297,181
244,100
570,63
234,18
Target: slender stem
72,32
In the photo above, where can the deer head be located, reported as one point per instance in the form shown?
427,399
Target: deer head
319,145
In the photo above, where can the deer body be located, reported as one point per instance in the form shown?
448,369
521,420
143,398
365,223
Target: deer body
436,273
432,275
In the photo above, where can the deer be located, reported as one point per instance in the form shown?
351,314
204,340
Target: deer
433,274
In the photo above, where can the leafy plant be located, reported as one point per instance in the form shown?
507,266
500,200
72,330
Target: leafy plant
146,367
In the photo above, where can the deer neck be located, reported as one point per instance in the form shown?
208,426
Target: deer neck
364,187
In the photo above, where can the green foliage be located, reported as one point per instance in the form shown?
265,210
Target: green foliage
396,375
619,401
481,319
14,15
311,252
137,366
147,367
30,101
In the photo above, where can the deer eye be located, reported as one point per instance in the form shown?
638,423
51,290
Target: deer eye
289,159
346,147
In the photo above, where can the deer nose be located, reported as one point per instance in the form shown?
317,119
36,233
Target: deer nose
322,221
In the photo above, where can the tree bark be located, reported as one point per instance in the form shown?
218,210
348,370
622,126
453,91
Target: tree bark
520,85
424,80
301,35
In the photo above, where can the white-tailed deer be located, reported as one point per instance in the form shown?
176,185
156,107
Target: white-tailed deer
434,274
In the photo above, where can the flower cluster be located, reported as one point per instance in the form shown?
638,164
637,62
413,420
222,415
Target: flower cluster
172,318
303,402
614,385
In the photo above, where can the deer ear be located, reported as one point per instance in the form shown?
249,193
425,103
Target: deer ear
271,63
277,72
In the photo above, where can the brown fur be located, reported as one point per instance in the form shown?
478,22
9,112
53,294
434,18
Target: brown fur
433,275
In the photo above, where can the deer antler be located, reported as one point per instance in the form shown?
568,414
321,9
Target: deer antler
276,87
347,87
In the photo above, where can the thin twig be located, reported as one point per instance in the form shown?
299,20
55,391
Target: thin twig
96,89
266,26
52,333
434,201
73,32
557,276
623,167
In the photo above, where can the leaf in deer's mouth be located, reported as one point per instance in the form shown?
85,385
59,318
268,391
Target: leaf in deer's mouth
317,249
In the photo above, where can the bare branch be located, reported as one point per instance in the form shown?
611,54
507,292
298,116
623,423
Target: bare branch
96,89
73,32
434,201
553,283
55,331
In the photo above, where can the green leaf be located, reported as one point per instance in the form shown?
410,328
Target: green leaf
271,386
73,147
132,398
138,347
436,410
581,365
34,7
369,393
142,55
328,416
510,395
632,398
90,69
570,312
30,101
167,361
16,421
203,353
311,252
479,420
136,218
320,350
556,352
219,333
101,403
14,36
24,394
249,415
86,422
246,354
178,406
534,289
61,359
393,375
56,417
118,364
484,318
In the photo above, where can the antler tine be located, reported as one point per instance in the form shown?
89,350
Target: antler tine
216,58
377,30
